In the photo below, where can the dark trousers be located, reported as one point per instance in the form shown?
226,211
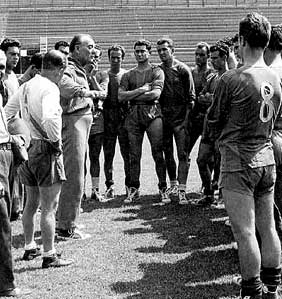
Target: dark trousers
138,122
208,162
181,140
6,267
195,131
95,142
114,131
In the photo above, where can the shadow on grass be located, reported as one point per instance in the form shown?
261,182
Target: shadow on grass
198,276
18,240
208,259
88,205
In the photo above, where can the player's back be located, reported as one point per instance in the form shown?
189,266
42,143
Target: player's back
254,97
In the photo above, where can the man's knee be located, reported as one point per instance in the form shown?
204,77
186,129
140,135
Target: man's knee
241,232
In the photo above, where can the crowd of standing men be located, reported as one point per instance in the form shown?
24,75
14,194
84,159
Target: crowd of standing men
68,108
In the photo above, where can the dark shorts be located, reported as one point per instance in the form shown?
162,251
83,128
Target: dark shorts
43,168
97,126
250,181
142,115
276,140
113,121
174,116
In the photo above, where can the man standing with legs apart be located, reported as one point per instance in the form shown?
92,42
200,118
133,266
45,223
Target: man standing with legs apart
38,100
142,86
176,102
76,101
114,117
272,57
246,103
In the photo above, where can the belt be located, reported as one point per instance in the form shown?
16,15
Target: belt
5,146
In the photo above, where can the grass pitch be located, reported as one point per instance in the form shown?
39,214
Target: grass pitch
144,250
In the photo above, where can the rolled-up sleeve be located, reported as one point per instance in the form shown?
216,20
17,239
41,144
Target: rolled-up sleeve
13,105
158,78
51,114
69,88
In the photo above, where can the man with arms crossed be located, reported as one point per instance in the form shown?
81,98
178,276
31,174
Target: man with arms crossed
176,102
142,86
43,173
246,103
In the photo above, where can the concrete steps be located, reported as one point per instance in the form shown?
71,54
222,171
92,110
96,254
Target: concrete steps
185,25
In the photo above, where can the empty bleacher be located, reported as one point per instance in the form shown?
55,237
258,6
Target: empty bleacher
126,21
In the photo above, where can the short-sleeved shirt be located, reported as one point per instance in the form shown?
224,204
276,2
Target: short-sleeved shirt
112,103
246,104
134,78
97,126
11,82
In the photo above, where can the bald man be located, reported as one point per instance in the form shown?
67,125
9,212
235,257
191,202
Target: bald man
76,101
38,100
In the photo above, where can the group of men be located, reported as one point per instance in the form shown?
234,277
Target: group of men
70,105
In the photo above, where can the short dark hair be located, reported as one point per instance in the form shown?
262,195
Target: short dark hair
61,43
143,42
116,47
228,40
255,29
221,47
235,38
202,45
9,42
275,42
36,60
53,59
167,40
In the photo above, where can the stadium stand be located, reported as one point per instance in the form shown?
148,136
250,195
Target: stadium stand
124,21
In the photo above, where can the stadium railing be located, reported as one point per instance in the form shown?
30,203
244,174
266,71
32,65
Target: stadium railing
18,4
